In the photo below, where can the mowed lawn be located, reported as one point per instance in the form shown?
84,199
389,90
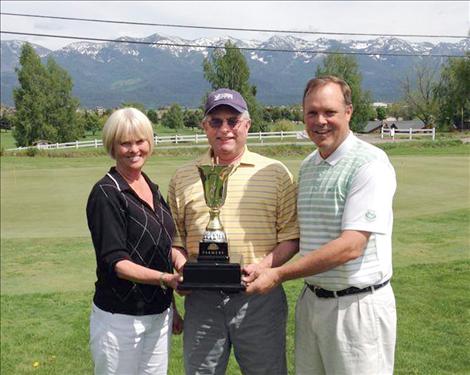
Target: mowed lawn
47,262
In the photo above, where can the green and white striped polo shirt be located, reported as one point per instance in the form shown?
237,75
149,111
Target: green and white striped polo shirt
350,190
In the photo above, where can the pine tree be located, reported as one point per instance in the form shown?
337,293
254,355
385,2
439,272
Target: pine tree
30,100
346,68
227,68
45,108
61,106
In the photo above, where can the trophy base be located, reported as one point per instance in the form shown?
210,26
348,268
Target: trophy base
205,275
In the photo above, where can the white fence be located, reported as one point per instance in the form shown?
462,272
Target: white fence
410,132
201,138
173,139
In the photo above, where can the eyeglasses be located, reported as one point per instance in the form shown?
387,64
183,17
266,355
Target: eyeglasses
216,123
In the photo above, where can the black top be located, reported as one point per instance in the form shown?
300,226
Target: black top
123,226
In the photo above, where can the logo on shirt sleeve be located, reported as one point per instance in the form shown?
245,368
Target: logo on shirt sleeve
370,215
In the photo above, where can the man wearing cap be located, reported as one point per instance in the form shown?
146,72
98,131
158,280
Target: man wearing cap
345,314
259,217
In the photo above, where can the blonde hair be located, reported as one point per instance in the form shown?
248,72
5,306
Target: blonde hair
126,124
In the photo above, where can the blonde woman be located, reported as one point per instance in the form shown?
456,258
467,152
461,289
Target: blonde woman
132,231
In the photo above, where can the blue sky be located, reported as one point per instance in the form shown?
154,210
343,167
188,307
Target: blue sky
391,17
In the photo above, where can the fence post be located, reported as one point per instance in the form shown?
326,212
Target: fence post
433,134
411,133
282,135
382,132
196,138
76,144
260,137
176,138
96,143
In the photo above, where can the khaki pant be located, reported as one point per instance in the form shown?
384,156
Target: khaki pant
347,335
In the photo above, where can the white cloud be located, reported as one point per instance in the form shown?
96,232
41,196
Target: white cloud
390,17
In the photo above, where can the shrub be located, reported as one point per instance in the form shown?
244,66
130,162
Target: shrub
32,151
283,125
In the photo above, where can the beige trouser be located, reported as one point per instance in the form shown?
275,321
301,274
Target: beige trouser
348,335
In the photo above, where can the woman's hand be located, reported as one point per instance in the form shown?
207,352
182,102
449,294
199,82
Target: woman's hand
170,280
178,323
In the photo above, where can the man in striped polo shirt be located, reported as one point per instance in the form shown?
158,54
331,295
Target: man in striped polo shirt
259,217
345,314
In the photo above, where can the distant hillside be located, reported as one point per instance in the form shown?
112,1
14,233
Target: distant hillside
107,74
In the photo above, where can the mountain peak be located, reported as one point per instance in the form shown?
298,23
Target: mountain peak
167,69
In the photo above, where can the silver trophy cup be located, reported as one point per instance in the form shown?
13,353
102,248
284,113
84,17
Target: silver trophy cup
212,269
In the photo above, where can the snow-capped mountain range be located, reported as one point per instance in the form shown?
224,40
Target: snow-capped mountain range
170,71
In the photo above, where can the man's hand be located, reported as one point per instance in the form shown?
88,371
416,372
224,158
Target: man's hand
266,281
251,271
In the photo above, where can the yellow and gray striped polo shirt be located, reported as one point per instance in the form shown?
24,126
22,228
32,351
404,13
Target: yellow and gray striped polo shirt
259,210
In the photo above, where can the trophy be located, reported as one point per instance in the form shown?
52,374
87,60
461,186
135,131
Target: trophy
212,269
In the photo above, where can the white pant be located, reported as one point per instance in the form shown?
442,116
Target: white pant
130,345
347,335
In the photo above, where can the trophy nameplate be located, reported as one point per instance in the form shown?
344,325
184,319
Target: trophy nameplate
212,269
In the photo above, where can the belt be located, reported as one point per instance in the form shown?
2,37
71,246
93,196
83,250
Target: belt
323,293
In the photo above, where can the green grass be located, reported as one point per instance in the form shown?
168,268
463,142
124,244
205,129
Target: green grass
433,326
433,318
47,260
6,139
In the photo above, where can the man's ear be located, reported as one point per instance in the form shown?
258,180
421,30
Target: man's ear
248,125
350,110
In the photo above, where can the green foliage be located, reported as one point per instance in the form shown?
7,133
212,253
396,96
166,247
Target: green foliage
296,113
275,113
92,122
152,116
62,107
419,94
173,118
283,125
136,105
346,68
381,113
401,110
227,68
6,121
453,93
30,100
32,152
371,113
192,118
45,108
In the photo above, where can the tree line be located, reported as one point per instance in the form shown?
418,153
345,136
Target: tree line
46,109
